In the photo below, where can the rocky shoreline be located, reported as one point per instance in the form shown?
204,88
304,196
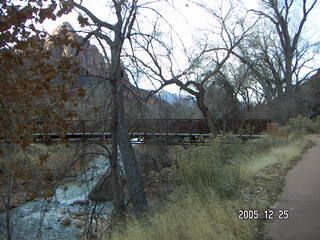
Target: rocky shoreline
68,214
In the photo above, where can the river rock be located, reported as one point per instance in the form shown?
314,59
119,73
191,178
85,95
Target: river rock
81,202
66,221
82,212
78,223
62,211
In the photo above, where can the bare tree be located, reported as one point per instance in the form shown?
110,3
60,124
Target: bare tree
114,36
279,14
203,69
279,57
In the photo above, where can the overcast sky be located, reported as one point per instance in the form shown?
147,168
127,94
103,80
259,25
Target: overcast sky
185,18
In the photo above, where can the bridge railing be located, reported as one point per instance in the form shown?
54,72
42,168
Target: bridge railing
172,126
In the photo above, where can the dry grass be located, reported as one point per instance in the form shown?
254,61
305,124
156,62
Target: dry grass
198,208
275,155
192,218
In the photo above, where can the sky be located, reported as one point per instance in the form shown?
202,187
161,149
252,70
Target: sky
181,17
185,18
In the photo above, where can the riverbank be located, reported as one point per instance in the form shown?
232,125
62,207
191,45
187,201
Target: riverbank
50,199
215,184
200,197
65,215
34,171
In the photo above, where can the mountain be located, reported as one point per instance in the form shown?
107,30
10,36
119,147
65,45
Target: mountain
175,97
138,102
91,60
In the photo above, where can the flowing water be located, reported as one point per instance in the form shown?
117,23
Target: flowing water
55,219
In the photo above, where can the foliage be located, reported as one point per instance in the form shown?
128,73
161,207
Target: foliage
215,166
35,169
269,151
192,218
301,125
197,209
263,144
33,85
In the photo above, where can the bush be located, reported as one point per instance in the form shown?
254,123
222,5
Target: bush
274,153
303,125
195,210
266,142
191,218
216,166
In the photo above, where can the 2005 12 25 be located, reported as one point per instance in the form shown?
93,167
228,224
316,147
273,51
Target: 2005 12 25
268,214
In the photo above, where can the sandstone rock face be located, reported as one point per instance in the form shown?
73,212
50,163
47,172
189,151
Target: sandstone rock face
91,60
93,63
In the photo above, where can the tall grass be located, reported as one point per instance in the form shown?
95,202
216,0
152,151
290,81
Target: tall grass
215,167
210,190
276,154
303,125
192,218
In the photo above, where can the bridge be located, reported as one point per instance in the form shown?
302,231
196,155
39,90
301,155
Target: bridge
160,131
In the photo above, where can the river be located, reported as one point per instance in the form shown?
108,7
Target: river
64,215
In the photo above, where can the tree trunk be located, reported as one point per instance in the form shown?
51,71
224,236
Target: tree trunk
288,74
7,205
117,190
135,181
207,114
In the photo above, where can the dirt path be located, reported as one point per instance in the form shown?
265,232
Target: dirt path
301,196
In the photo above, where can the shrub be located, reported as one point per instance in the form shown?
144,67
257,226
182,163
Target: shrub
215,166
191,218
265,143
303,125
195,210
274,154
